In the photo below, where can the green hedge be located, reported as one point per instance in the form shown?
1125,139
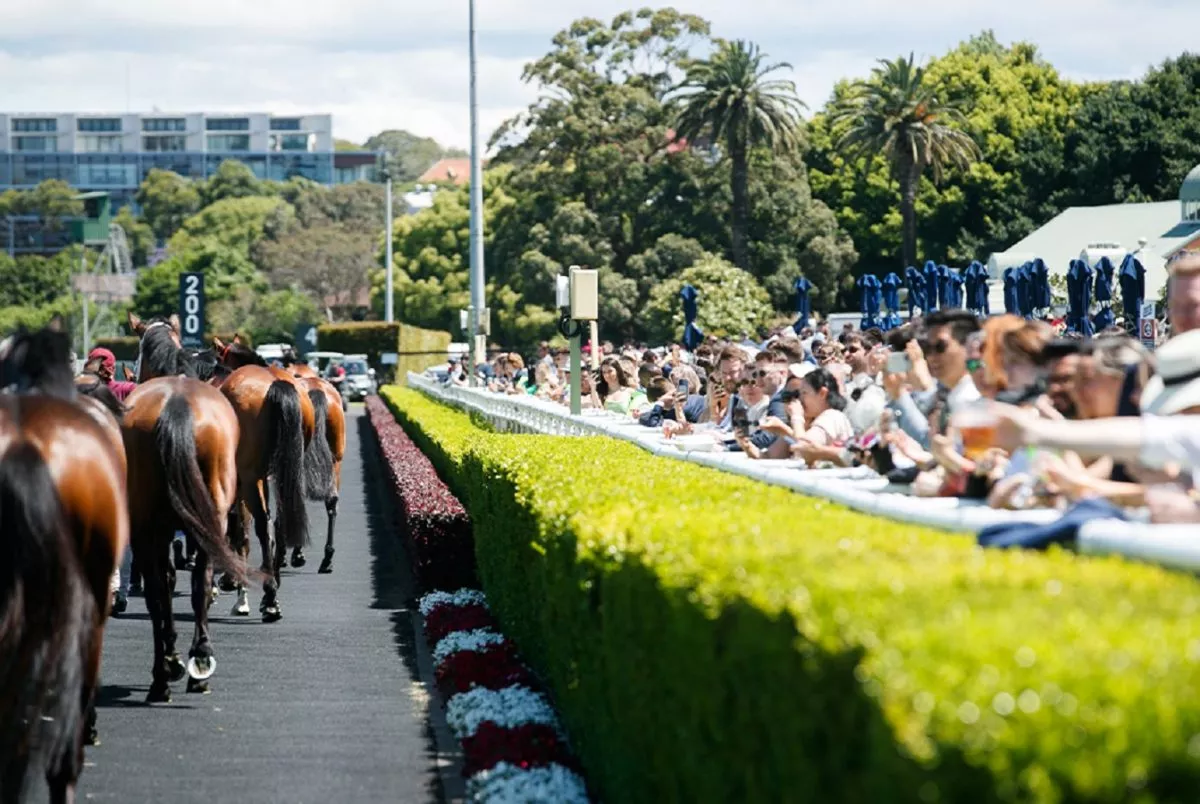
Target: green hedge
373,338
709,638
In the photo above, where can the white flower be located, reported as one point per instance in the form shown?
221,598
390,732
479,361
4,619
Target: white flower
463,597
508,708
508,784
455,641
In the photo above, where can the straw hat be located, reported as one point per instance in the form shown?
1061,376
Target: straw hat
1176,386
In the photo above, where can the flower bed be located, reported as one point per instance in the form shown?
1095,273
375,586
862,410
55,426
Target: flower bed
435,523
514,748
709,639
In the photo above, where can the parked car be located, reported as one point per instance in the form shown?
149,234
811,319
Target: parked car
360,378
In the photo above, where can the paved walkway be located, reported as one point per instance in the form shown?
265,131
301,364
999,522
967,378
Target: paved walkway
326,705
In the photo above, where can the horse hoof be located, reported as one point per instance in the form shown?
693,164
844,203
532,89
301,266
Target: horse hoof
326,566
272,614
298,559
195,687
158,694
92,737
201,668
119,603
175,668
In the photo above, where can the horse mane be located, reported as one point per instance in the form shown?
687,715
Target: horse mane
161,356
98,389
244,355
208,365
39,362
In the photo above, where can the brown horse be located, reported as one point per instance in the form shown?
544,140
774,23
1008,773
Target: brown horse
277,424
181,439
63,527
324,482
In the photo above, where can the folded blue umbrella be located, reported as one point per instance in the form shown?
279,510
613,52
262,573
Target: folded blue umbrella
1039,289
1012,304
693,336
1133,290
869,290
1079,295
953,288
977,288
803,304
1104,317
1025,291
932,286
891,300
916,290
1039,536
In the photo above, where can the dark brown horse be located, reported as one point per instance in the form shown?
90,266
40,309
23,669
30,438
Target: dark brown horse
63,528
277,424
324,482
181,439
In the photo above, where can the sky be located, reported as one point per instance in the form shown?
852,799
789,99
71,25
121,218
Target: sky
379,64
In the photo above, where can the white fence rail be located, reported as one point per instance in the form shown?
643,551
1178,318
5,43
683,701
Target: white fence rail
860,489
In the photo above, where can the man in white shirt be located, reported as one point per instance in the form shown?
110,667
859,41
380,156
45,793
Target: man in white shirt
946,353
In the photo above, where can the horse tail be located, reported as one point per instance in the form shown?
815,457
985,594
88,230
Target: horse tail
191,499
318,458
285,448
47,621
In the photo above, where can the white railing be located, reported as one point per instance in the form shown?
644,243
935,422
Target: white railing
860,489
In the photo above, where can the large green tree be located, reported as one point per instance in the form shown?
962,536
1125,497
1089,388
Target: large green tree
899,114
409,155
730,99
167,200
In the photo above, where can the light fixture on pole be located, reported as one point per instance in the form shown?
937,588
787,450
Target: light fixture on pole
478,327
385,171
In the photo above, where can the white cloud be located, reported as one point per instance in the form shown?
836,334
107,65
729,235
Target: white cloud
380,64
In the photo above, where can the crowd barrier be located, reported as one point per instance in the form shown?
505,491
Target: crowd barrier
860,489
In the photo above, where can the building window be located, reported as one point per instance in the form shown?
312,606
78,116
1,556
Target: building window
164,124
1191,211
45,145
172,142
227,124
290,142
111,172
285,124
228,142
99,124
100,145
35,124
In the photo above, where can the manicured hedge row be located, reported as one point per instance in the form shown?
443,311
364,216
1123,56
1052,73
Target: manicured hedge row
436,525
708,638
374,338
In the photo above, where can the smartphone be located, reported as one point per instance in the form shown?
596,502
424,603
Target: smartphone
741,420
898,363
683,389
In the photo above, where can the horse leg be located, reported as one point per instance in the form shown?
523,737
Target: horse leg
62,790
238,516
167,666
331,511
190,548
201,661
262,527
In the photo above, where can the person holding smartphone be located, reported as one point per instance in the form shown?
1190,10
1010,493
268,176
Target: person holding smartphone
672,403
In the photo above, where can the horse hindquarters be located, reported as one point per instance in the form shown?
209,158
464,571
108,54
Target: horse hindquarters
48,622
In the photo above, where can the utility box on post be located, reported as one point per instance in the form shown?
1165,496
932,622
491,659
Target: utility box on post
585,294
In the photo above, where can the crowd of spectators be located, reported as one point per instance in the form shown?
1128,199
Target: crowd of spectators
1061,418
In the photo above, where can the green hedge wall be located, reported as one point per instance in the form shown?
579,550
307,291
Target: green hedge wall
711,639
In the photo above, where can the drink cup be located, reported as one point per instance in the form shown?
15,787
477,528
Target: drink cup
976,426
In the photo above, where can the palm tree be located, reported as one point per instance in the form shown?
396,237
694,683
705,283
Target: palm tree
897,114
729,98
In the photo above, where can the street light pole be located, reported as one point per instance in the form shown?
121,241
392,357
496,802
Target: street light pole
388,301
477,287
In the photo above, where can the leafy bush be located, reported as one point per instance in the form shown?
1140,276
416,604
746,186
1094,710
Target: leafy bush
743,643
731,302
371,338
124,347
435,523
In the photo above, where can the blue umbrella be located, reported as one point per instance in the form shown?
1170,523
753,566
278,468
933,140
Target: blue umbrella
1039,288
1104,317
891,299
932,290
977,288
1079,294
1132,277
869,288
692,334
803,305
1012,303
916,289
1025,291
952,288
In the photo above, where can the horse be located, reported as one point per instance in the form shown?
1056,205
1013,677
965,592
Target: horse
322,459
276,425
181,438
64,525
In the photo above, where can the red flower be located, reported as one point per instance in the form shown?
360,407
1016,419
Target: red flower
531,745
495,668
445,619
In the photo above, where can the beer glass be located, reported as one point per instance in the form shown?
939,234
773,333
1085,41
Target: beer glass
976,426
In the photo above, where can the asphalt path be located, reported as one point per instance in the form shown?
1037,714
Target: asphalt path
327,705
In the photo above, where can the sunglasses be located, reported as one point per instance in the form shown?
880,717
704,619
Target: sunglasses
938,348
974,364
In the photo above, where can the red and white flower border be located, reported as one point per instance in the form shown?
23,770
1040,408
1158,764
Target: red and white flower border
514,748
